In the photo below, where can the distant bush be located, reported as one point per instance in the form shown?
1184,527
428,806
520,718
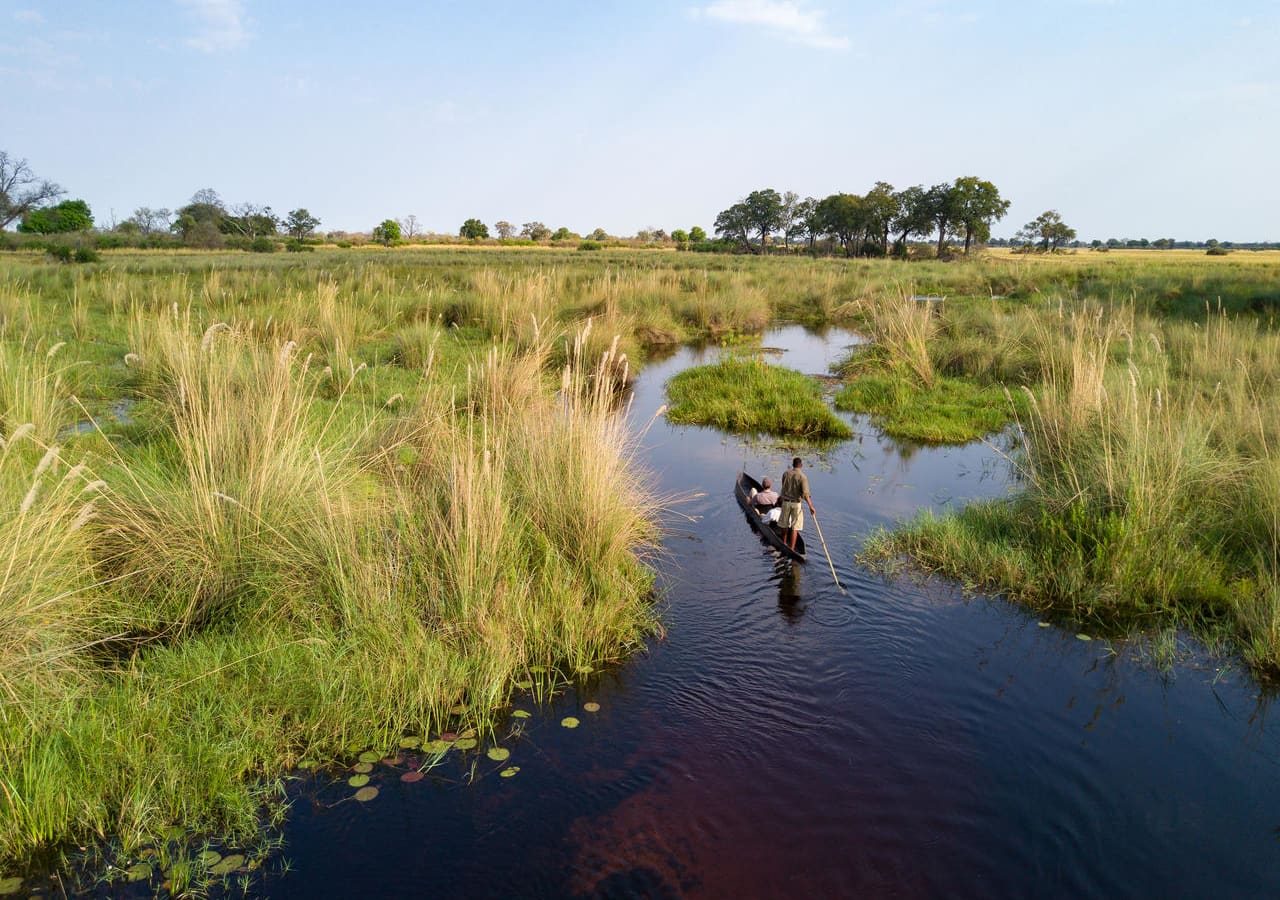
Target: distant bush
262,244
591,245
711,246
345,245
299,247
1217,251
61,252
517,242
65,253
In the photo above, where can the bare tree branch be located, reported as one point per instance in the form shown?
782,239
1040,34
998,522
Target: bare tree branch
21,190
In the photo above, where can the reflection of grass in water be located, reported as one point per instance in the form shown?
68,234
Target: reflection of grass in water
750,396
951,411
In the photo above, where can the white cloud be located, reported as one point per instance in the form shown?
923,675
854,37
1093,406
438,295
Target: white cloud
223,25
28,16
789,19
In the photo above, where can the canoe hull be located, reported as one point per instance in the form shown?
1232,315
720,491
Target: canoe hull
771,534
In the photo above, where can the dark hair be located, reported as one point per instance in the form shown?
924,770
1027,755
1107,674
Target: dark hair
797,463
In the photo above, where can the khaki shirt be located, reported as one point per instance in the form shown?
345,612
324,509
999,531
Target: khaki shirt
795,486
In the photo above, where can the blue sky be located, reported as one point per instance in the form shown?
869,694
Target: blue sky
1132,118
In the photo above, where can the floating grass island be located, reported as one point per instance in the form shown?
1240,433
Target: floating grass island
749,396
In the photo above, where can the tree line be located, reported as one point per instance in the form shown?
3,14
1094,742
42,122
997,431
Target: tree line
880,222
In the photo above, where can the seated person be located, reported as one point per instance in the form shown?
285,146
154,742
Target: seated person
764,499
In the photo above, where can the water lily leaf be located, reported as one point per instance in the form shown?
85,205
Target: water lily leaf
137,872
370,756
392,760
358,780
363,768
524,685
228,865
537,670
591,706
437,746
497,754
464,743
1043,624
519,714
11,885
459,710
411,776
365,794
449,736
469,733
174,833
569,722
509,771
410,743
210,857
1083,637
585,669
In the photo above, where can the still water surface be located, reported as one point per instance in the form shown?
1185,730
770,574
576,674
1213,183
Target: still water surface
786,739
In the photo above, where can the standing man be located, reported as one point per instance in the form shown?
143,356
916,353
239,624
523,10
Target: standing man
795,488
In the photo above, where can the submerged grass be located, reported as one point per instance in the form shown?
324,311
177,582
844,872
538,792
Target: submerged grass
950,411
750,396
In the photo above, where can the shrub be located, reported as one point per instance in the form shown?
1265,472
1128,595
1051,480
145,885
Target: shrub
86,255
1217,251
60,252
591,245
299,247
263,244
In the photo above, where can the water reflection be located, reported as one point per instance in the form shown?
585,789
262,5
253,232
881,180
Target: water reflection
790,600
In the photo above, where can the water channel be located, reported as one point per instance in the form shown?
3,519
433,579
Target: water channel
784,738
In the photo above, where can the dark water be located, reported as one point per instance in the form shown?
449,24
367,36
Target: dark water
785,739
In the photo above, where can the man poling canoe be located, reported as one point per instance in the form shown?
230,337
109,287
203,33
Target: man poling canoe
795,490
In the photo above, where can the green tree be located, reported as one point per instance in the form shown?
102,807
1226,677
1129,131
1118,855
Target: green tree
1048,231
387,232
844,217
473,229
504,228
880,210
21,190
913,216
975,205
598,235
563,234
764,213
680,236
65,217
697,234
735,224
938,204
300,223
792,222
535,231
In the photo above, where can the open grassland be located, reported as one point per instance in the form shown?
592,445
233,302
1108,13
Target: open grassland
331,498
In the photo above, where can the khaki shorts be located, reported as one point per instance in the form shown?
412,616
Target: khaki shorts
792,515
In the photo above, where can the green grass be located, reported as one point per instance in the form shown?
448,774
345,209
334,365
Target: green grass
951,411
750,396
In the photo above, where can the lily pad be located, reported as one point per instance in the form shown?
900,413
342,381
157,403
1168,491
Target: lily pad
363,768
395,760
174,833
537,670
137,872
370,756
509,771
365,794
497,754
569,722
411,742
591,706
585,669
358,780
1083,637
1043,624
411,777
437,746
464,743
469,733
524,685
459,710
10,885
519,714
449,736
228,865
210,857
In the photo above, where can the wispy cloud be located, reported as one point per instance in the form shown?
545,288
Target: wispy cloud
789,19
28,16
223,25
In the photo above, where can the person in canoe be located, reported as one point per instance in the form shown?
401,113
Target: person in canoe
795,490
765,501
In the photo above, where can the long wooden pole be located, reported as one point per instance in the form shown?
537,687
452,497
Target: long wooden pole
818,525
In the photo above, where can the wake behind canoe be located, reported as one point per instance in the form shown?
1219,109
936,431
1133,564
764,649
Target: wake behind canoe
742,489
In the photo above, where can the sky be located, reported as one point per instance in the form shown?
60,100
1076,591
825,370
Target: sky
1132,118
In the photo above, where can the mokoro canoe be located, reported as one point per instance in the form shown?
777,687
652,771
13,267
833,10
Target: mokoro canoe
767,530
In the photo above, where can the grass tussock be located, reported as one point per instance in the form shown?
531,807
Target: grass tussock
750,396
